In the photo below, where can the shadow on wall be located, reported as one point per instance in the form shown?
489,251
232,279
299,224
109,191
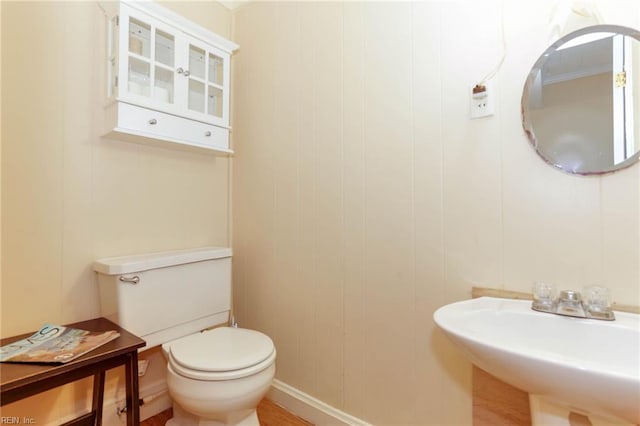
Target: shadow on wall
450,359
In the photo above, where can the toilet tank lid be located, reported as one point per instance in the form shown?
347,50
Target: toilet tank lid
143,262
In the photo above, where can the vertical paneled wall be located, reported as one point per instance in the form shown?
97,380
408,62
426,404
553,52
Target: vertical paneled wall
365,198
70,196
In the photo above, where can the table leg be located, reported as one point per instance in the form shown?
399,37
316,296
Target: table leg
98,397
133,402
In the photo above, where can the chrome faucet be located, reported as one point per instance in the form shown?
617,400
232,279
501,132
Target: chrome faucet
570,302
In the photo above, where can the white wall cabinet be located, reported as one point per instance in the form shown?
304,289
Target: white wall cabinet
168,79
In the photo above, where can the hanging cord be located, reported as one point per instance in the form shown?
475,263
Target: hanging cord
104,12
493,72
563,9
589,10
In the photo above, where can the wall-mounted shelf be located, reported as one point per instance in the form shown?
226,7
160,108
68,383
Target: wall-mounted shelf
168,79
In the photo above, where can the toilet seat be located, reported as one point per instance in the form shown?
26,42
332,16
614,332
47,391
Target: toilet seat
223,353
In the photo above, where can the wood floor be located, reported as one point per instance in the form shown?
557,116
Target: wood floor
269,414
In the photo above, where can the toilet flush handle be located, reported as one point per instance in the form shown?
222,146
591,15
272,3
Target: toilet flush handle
131,280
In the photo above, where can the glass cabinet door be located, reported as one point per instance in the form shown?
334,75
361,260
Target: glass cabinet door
206,82
164,66
139,82
196,75
215,88
151,59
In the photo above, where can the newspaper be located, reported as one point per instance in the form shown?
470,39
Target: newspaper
55,344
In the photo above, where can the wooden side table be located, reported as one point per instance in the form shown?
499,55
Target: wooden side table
18,381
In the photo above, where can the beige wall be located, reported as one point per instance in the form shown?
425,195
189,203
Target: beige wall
364,197
70,196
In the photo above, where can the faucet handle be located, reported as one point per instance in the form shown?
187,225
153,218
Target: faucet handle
597,296
598,303
543,297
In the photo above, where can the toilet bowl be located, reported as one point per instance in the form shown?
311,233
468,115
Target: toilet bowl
219,376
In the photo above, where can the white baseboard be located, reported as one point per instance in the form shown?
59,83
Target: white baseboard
293,400
309,408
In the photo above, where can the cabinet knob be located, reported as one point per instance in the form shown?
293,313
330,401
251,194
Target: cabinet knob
180,70
207,133
153,121
187,73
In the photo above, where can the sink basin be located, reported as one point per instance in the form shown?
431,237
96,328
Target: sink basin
588,365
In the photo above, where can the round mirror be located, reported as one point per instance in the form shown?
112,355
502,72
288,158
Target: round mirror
581,101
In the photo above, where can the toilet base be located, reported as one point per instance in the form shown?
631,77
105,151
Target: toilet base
184,418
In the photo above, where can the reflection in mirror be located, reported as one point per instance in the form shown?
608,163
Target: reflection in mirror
581,101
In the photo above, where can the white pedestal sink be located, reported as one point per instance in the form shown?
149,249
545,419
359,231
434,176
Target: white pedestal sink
587,366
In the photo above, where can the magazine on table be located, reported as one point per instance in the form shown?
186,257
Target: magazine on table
55,344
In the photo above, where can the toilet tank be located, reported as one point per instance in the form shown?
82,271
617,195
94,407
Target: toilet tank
163,296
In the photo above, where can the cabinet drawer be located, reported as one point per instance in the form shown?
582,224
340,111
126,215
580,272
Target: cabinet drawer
145,123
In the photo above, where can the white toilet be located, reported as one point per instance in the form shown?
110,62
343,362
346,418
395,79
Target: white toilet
215,377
